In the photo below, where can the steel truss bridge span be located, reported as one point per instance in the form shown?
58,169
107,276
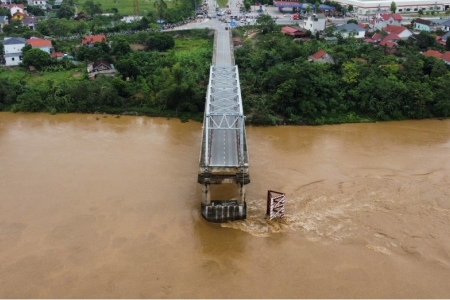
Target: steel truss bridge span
224,155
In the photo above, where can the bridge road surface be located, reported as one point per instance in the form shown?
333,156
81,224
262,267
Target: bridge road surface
224,143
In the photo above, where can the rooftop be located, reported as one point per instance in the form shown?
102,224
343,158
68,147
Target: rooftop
13,41
92,39
433,53
37,42
394,29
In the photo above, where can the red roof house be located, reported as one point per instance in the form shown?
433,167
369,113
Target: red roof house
391,37
38,43
57,55
401,31
396,17
433,53
377,37
293,31
389,46
90,40
363,25
321,56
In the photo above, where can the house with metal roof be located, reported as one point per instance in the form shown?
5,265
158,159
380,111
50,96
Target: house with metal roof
446,25
351,29
30,22
444,38
12,50
422,25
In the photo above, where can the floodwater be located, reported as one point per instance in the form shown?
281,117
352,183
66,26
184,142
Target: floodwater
94,206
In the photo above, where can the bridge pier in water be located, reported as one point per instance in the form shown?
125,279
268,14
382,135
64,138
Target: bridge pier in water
220,211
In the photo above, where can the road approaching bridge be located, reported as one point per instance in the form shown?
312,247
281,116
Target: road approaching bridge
223,155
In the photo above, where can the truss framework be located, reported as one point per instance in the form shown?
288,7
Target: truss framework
223,110
275,204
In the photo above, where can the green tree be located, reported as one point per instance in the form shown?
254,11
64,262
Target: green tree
66,11
350,8
36,58
4,11
161,8
30,101
160,42
247,5
308,8
265,23
91,8
425,40
16,28
393,7
120,47
420,12
35,10
26,48
352,21
128,68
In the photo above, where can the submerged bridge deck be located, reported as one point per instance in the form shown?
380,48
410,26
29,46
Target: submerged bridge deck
223,156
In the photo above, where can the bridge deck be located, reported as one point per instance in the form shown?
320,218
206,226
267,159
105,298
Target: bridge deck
223,157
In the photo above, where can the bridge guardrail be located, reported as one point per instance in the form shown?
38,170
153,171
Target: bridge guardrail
231,48
215,47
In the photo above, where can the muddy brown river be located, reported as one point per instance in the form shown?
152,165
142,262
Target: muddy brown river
94,206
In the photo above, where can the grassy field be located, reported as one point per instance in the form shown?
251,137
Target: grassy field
37,78
125,7
190,45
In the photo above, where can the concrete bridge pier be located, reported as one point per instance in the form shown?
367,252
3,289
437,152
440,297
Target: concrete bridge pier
241,199
220,211
206,199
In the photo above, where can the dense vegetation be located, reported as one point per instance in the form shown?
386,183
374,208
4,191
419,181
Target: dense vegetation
169,83
169,78
280,85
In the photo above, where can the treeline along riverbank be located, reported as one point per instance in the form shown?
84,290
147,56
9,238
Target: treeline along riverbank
281,85
168,76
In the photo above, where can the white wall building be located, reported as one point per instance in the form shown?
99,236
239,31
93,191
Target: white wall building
315,23
382,20
41,3
13,50
403,6
14,8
